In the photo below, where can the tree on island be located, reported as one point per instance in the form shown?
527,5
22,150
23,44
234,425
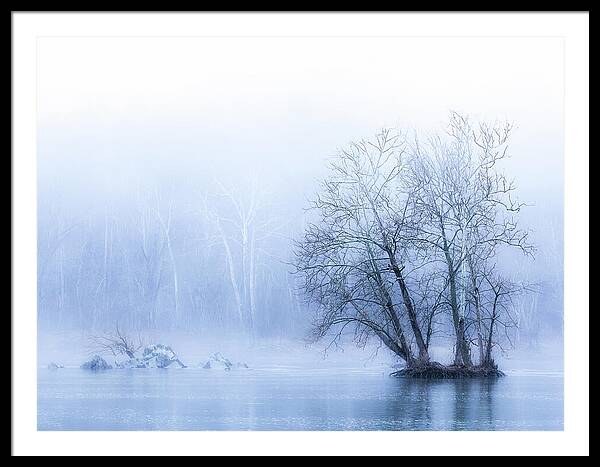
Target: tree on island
405,245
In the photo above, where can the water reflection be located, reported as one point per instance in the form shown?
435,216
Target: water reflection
429,404
265,400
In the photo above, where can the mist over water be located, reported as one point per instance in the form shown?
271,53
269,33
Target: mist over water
292,386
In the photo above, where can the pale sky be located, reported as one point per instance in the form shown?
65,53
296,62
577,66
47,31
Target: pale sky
115,107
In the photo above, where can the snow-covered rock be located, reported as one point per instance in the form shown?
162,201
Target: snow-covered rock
160,356
96,363
131,363
217,360
54,366
153,356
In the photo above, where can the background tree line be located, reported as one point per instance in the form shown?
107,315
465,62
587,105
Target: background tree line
178,247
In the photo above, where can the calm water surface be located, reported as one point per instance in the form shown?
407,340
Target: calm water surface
293,399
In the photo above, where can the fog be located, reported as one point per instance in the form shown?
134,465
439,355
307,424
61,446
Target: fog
174,173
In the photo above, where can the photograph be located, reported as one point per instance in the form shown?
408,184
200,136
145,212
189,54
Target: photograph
255,230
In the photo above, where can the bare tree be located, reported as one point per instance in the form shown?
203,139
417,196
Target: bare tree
244,225
498,312
148,257
407,231
467,207
351,261
116,343
165,223
57,230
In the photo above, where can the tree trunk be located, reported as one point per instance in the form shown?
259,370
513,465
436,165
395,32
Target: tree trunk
479,329
478,321
175,278
252,284
488,361
232,277
412,316
462,354
401,349
388,305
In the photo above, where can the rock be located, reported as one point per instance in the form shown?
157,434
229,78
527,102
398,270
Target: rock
217,360
225,362
54,366
132,363
96,363
153,356
160,356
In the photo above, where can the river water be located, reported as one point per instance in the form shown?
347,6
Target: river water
289,398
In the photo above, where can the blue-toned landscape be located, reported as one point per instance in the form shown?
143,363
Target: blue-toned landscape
300,234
